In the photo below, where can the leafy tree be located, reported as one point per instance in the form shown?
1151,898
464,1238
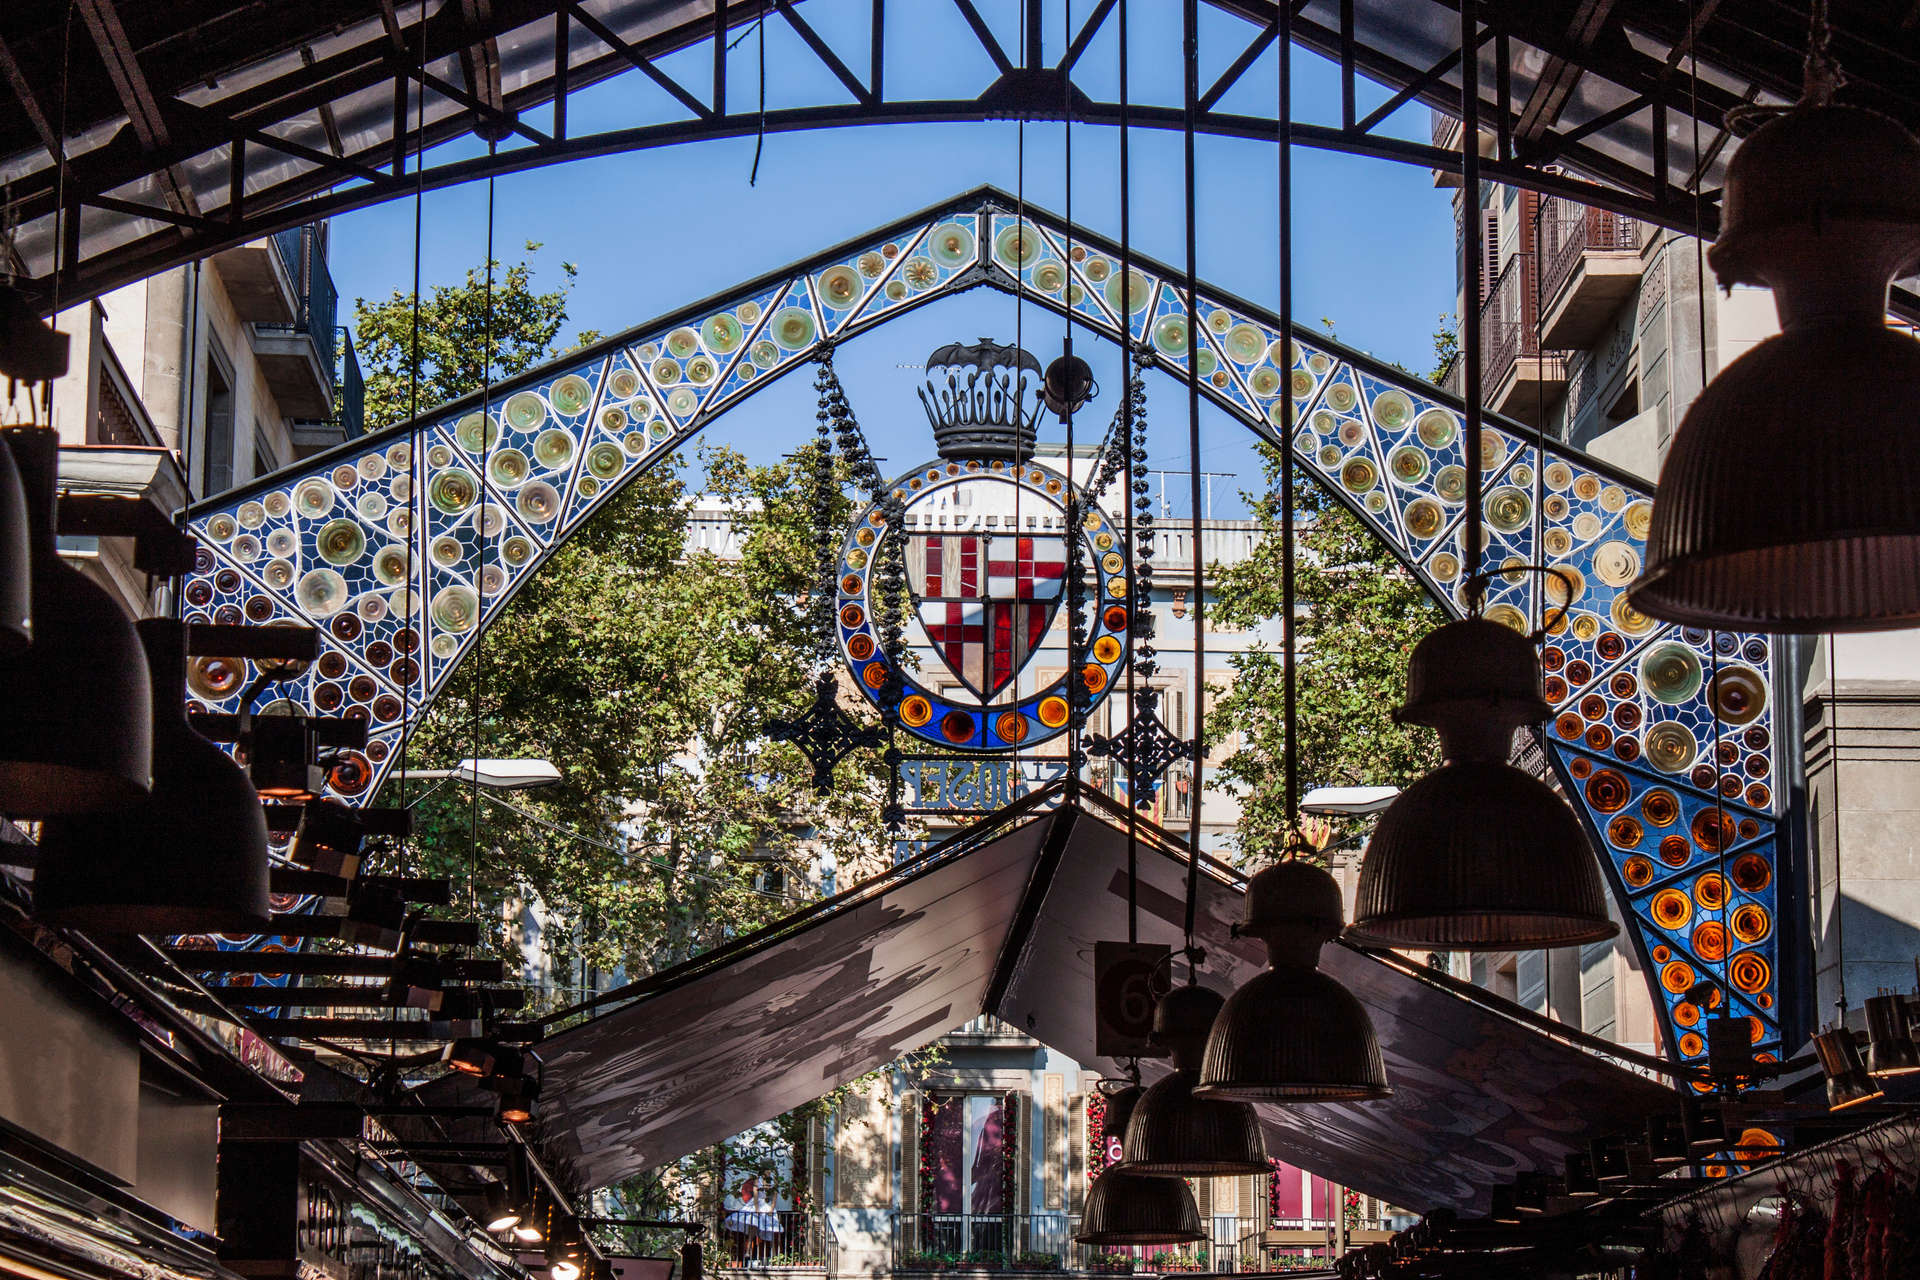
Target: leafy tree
646,670
1360,615
456,323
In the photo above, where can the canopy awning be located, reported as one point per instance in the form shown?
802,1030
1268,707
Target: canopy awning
1004,923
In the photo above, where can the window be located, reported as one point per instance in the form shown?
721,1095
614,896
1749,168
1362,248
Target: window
216,438
1625,405
968,1169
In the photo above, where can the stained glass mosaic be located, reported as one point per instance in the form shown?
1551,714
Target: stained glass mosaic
401,547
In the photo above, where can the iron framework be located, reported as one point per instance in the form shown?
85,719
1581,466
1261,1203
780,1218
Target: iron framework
150,135
402,545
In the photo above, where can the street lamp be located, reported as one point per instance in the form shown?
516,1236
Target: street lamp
1347,801
495,775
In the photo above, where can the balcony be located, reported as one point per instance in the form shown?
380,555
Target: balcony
297,355
260,283
1592,267
349,403
988,1032
1519,375
787,1242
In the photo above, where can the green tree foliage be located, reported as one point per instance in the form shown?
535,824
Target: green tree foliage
646,670
1360,615
458,325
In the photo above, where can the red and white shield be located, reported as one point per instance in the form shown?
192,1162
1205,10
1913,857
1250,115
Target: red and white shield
986,600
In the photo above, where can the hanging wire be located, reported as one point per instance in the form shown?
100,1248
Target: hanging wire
1713,637
1077,692
416,463
1127,470
1470,252
477,657
1189,108
1833,766
1284,195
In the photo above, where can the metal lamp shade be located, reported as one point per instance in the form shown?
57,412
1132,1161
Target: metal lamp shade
1293,1035
1177,1135
189,858
76,716
1890,1047
1472,670
1787,503
1129,1208
1848,1084
1479,855
16,560
1174,1134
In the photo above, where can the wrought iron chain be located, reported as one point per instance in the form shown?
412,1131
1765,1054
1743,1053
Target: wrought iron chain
1111,458
853,442
1141,619
1078,696
1146,747
820,613
888,570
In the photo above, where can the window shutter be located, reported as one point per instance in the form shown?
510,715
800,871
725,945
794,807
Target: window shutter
1489,251
910,1153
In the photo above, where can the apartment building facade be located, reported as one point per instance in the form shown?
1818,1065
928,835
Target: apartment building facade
194,380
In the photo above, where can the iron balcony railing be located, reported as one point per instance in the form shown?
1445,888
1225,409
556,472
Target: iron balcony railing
753,1240
984,1242
304,255
1509,322
1568,230
350,388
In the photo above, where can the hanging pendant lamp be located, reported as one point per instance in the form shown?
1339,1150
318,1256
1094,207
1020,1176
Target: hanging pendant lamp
1478,854
1848,1084
189,858
76,716
1172,1132
16,561
1786,502
1890,1047
1292,1033
1133,1208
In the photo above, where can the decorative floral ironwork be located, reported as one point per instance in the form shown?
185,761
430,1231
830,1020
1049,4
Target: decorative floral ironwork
825,733
1146,748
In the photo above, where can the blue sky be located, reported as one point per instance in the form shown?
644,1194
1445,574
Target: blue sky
653,230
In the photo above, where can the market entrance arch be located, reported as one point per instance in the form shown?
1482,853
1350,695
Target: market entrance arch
402,546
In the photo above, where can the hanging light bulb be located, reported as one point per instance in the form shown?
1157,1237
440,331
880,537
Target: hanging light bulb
16,561
531,1228
1172,1132
1134,1208
1784,504
191,857
76,714
566,1248
1848,1084
1478,854
1293,1034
